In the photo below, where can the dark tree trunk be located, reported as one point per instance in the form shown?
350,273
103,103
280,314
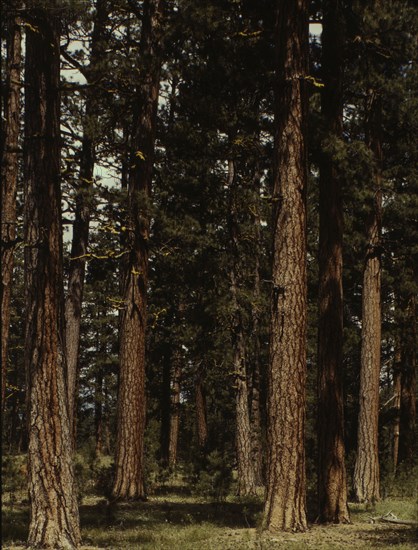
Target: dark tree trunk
129,479
285,507
74,299
165,405
256,416
9,178
332,479
174,409
201,418
366,472
246,475
54,511
396,404
407,424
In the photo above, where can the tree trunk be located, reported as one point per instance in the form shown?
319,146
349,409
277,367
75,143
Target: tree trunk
174,410
9,178
201,418
129,479
256,423
396,404
54,510
165,405
74,299
285,507
332,479
407,431
246,475
366,472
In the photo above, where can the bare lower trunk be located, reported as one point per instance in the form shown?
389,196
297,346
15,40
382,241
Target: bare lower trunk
9,178
285,506
366,473
332,479
54,511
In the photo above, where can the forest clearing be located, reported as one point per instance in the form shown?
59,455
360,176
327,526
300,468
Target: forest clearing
209,273
173,518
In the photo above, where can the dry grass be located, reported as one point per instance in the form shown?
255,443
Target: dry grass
177,521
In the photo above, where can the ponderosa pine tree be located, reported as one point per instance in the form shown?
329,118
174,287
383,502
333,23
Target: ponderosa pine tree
53,499
83,208
332,482
9,181
129,476
244,439
285,507
366,473
407,420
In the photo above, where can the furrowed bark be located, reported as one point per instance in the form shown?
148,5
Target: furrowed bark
285,507
53,501
129,478
9,180
332,479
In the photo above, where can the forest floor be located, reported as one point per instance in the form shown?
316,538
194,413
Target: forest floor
173,519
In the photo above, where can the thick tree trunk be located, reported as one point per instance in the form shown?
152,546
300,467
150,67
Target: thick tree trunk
201,418
129,479
54,511
285,507
74,299
246,474
366,472
174,410
332,479
9,178
407,427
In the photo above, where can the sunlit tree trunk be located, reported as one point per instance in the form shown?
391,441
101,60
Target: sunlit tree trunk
9,179
54,519
366,473
285,506
332,479
129,478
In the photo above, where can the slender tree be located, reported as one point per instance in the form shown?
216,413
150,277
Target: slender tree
54,510
407,420
332,481
366,473
129,478
74,298
9,179
244,440
285,507
174,409
201,413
